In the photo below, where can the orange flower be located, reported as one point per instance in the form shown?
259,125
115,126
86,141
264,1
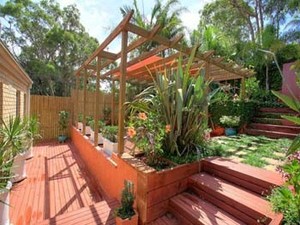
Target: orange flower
168,128
131,132
143,116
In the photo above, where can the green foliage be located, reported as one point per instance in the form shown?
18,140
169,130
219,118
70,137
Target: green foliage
51,40
110,133
6,161
106,114
63,121
13,135
101,125
243,109
180,100
147,134
230,121
126,211
286,199
251,87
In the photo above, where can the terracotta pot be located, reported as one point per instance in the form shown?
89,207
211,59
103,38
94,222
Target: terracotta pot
218,131
4,204
133,221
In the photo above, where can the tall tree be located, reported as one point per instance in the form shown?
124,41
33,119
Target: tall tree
49,42
166,14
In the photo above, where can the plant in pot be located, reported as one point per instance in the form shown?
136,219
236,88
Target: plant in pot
125,214
32,127
230,123
79,123
6,161
88,129
110,139
100,129
63,125
13,134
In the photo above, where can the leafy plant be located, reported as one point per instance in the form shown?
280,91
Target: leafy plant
127,199
13,135
179,100
63,121
6,161
106,114
110,133
101,125
230,121
80,117
286,199
147,134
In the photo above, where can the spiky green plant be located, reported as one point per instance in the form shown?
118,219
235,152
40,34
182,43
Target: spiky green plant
180,99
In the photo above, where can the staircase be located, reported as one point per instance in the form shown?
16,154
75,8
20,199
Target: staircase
268,122
226,192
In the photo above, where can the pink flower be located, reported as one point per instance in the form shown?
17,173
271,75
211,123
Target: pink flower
131,132
143,116
168,128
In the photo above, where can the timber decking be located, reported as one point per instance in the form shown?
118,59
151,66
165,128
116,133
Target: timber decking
226,192
56,184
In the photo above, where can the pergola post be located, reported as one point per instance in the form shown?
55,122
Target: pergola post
77,101
113,103
123,70
84,102
97,97
243,87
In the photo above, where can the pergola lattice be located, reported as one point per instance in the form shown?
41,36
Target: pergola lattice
216,68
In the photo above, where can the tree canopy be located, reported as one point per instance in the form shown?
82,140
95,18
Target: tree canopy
49,41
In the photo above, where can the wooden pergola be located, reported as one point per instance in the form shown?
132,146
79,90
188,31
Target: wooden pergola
216,68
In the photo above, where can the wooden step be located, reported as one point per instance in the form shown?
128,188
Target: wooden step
278,110
97,214
252,178
270,134
275,115
243,201
198,211
277,128
167,219
273,121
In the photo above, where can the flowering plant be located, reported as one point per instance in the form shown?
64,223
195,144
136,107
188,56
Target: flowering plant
148,134
230,121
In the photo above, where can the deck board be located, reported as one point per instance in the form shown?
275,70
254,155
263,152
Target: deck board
56,184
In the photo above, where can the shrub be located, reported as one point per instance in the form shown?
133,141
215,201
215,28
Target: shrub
110,133
230,121
127,199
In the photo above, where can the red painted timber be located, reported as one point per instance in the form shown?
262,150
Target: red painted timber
270,134
278,110
241,199
57,183
273,127
198,211
242,172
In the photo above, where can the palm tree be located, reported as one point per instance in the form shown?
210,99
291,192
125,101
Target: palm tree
167,15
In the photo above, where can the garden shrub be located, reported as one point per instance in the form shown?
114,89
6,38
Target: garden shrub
244,109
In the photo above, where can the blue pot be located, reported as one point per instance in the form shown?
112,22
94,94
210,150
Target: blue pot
230,131
62,138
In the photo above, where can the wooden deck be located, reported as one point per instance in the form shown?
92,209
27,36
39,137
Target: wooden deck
57,184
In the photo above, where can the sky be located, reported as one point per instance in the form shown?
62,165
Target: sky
99,17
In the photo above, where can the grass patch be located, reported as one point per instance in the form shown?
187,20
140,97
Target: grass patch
253,148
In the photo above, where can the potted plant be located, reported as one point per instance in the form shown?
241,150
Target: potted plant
125,214
100,128
110,139
32,127
13,135
88,128
63,125
6,161
230,123
79,123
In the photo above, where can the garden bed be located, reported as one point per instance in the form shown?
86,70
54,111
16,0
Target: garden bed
153,188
